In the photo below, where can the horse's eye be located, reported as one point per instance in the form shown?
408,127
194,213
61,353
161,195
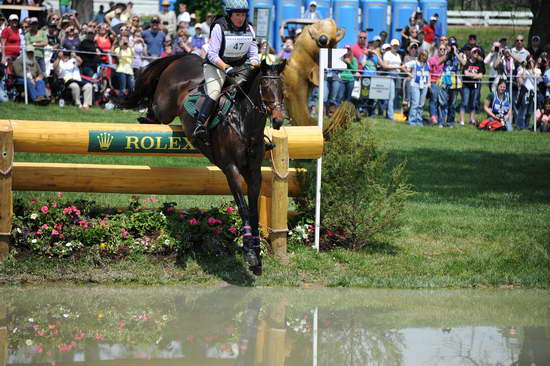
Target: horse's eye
4,154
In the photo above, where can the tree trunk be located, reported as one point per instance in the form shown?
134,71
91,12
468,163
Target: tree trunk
539,27
85,10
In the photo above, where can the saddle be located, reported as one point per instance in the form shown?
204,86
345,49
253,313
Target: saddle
193,102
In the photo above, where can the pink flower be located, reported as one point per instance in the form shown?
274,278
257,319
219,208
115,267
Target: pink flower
170,210
193,221
51,326
212,221
40,333
99,337
217,231
53,363
135,198
35,327
45,226
61,236
39,232
54,204
44,209
84,224
233,229
59,195
153,199
103,222
124,233
39,348
58,227
230,209
34,200
145,201
55,232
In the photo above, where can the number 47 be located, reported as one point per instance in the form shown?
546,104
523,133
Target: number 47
238,46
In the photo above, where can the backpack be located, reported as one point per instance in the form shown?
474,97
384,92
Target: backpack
492,125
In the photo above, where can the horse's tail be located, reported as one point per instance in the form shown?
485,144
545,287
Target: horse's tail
146,84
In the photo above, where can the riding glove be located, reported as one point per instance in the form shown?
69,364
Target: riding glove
231,72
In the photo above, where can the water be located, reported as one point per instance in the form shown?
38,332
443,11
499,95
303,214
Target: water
242,326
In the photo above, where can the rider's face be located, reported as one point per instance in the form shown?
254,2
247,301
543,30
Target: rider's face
238,18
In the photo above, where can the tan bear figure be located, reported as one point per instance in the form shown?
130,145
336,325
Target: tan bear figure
301,73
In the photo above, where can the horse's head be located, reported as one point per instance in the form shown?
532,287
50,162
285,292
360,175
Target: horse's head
271,92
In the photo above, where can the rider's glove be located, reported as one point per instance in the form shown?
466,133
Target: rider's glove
231,72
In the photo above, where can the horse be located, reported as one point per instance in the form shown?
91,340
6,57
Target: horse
236,145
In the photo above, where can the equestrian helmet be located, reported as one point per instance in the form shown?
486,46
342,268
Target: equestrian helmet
236,5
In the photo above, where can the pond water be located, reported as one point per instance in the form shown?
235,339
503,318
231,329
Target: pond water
245,326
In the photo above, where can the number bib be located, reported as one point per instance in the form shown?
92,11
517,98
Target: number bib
236,46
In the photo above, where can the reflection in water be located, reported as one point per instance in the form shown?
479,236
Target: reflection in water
243,326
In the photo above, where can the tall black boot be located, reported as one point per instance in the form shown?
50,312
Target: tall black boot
205,111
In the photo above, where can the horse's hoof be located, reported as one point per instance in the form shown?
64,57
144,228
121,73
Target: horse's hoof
257,270
251,258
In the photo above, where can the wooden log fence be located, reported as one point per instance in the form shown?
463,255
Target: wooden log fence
142,140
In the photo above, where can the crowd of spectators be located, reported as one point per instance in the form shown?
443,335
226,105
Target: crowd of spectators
86,63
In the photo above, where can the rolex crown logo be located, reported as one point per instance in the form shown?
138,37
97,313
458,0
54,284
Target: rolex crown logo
105,140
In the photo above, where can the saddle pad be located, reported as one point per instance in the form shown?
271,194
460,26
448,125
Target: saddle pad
194,101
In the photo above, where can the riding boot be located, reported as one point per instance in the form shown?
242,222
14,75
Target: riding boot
205,110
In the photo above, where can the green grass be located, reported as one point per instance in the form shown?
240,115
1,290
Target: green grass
487,35
480,217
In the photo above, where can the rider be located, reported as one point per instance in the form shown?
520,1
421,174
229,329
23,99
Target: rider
232,48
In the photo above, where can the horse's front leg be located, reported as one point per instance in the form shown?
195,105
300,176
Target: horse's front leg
234,181
254,183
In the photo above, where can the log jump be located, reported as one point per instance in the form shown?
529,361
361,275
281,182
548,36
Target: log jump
305,142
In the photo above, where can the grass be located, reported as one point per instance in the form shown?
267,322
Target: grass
487,35
480,218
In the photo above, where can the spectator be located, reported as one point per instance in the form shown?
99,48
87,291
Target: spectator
287,49
134,24
168,16
197,40
505,65
472,43
11,41
359,48
419,71
127,13
37,38
117,18
154,38
546,80
535,49
90,54
497,106
66,67
383,37
104,42
411,38
406,32
490,62
411,55
206,24
65,7
543,116
450,83
503,42
392,64
124,70
181,44
100,16
436,69
35,78
72,40
347,76
438,28
140,51
311,12
519,52
184,15
474,69
429,35
528,74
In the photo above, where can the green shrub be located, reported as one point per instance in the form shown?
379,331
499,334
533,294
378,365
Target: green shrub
362,195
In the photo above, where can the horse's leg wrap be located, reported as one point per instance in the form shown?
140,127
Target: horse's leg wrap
251,254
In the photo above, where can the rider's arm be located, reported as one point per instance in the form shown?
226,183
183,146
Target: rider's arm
252,56
214,46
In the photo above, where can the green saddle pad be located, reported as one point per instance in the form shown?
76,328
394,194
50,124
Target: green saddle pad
192,104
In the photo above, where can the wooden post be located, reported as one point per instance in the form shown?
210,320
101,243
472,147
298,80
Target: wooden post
265,214
279,195
276,348
6,164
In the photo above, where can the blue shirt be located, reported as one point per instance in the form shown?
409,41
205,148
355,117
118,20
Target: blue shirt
154,41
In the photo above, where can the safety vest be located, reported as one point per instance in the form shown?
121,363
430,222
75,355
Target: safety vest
421,74
500,107
235,43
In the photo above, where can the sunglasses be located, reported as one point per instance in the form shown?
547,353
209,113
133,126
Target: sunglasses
443,49
519,40
362,37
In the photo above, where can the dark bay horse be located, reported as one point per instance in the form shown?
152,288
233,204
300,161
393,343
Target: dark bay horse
236,145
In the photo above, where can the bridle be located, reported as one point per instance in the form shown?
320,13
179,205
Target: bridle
263,108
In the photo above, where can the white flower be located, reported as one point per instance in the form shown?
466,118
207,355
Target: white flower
161,214
34,241
18,230
28,342
165,317
31,320
166,242
34,216
65,315
14,330
69,244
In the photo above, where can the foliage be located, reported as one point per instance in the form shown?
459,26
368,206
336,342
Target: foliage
363,197
202,7
55,228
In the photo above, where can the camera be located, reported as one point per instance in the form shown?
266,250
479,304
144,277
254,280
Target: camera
497,49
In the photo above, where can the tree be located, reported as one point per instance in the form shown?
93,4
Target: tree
539,26
85,9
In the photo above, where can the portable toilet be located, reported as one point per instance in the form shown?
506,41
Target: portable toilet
374,15
431,7
401,11
285,9
264,24
346,15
